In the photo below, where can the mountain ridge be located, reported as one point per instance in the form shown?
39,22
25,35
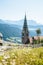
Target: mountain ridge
19,22
14,30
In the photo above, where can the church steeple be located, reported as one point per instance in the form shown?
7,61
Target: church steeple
25,22
25,32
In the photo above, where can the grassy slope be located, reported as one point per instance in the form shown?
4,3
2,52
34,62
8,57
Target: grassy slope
25,56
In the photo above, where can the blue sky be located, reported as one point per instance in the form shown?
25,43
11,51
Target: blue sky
15,9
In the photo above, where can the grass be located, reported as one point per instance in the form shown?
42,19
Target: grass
22,56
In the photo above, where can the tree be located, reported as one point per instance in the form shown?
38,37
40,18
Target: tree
38,31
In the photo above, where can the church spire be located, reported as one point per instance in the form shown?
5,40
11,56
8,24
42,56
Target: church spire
25,22
25,32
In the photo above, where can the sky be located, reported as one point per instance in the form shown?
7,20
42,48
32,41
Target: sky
16,9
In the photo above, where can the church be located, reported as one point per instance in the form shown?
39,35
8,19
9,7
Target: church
25,32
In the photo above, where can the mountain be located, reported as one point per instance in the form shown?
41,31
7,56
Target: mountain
14,28
9,31
20,22
29,22
2,21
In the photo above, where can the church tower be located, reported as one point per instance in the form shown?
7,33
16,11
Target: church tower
25,32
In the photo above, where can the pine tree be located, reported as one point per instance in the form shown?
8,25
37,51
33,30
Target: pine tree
25,32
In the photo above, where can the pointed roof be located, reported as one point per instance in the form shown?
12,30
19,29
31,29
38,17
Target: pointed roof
25,22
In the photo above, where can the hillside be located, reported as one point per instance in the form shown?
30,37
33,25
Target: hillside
22,56
9,31
14,28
